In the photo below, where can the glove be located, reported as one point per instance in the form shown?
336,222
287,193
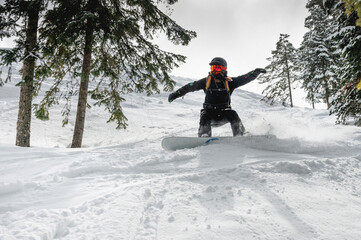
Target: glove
258,71
173,96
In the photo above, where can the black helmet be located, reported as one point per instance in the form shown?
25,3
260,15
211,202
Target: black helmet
218,61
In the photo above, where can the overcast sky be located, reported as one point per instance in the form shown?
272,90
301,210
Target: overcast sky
244,32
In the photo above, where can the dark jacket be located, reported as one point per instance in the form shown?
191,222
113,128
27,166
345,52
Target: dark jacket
217,95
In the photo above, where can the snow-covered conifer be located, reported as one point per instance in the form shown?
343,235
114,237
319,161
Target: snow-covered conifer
318,55
347,101
281,73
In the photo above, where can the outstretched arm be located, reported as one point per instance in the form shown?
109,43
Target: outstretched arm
246,78
190,87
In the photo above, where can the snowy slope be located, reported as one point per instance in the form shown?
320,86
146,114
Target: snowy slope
297,177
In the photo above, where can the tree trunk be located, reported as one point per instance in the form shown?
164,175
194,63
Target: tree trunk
289,81
327,94
26,90
83,91
325,84
290,90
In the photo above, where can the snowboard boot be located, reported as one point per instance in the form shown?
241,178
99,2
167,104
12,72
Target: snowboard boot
237,128
205,130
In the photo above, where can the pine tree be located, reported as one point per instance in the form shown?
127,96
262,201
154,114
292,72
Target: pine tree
354,6
281,73
109,42
319,58
347,101
20,19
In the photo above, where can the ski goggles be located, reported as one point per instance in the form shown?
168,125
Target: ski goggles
218,68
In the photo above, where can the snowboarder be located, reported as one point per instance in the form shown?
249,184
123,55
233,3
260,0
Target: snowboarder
218,88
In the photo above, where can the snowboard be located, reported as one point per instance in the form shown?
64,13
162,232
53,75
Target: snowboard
176,143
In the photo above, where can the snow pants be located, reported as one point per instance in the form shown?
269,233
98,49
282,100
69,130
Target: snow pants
219,117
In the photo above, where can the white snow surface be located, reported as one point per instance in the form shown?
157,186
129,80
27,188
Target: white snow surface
295,175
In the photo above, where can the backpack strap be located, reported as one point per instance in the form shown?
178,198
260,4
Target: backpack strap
209,79
227,85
